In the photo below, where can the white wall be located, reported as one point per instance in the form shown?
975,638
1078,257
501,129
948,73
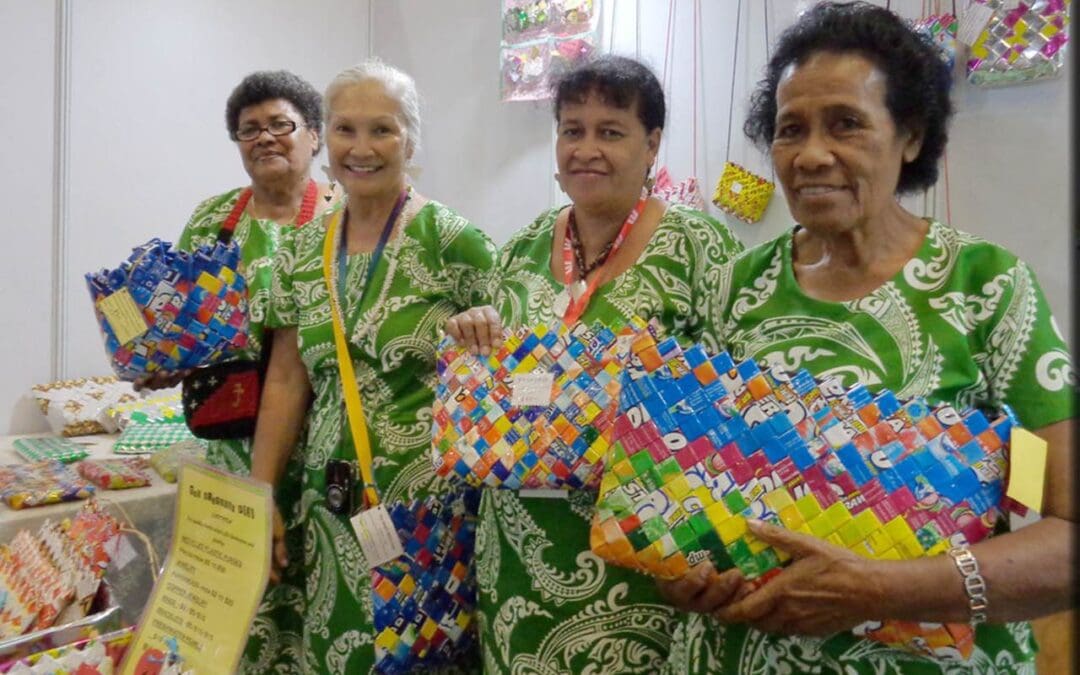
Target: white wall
1008,158
27,48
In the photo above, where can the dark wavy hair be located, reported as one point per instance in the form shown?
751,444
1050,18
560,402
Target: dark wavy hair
266,85
917,79
620,81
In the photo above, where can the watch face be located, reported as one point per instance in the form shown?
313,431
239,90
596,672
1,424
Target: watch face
340,483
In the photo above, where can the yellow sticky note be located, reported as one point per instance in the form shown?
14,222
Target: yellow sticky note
1027,469
123,315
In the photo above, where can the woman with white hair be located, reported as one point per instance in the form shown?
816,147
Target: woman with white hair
403,265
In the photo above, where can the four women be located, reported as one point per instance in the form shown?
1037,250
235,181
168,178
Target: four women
854,109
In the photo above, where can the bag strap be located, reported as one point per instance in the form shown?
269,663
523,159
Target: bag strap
307,210
349,388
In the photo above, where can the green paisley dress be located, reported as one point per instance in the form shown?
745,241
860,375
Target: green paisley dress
274,641
964,322
436,266
547,604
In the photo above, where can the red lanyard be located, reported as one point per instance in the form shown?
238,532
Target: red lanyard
307,210
576,306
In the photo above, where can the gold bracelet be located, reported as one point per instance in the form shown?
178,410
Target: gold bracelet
974,584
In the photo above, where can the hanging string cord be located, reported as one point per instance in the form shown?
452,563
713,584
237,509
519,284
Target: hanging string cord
665,76
768,57
734,62
697,29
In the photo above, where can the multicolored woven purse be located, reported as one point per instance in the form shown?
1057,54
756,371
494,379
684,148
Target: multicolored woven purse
536,414
424,600
1022,42
167,310
701,444
743,193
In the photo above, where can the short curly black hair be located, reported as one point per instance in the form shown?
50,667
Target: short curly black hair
620,80
266,85
917,78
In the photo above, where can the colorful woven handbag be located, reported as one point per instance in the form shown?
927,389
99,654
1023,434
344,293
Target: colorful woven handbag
167,310
536,414
702,444
425,600
743,193
1022,42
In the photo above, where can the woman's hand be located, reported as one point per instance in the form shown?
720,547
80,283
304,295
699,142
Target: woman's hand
479,329
703,589
279,558
827,589
160,380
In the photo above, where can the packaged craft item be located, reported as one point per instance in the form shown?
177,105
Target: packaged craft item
153,436
115,474
37,449
73,407
46,482
685,192
167,310
743,193
167,462
702,444
535,414
540,39
159,407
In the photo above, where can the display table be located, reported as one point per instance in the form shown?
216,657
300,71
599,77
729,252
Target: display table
150,510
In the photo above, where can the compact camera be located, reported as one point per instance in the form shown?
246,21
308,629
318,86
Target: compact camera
340,487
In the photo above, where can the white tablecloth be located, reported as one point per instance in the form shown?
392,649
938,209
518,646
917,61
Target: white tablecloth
150,509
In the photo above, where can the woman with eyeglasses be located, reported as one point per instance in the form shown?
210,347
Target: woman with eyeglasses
275,119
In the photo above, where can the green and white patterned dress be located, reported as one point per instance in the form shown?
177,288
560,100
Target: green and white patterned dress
964,322
436,266
274,642
547,604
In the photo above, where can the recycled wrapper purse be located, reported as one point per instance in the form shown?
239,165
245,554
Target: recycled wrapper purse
702,444
743,193
168,310
685,192
1022,42
535,414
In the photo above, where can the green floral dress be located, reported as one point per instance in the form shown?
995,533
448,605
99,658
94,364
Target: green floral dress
547,604
437,266
274,642
964,322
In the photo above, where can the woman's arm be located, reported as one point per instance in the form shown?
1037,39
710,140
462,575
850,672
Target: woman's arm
285,396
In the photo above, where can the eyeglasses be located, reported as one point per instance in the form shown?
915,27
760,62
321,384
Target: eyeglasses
279,127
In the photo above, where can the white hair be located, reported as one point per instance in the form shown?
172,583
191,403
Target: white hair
398,85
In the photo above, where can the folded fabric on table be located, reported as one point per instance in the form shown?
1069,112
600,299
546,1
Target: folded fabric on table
115,474
49,447
152,436
167,462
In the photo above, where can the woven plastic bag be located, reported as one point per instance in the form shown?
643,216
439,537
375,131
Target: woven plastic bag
168,310
686,192
536,414
425,600
702,444
1022,42
743,193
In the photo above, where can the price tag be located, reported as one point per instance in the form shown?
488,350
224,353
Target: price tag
1027,469
378,538
532,389
123,315
972,22
736,188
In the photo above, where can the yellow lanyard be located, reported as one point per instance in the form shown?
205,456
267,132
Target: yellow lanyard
349,386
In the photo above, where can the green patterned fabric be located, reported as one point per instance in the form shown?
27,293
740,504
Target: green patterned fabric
274,642
436,267
547,604
964,322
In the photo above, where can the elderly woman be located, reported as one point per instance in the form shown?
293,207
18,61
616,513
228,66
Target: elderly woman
275,119
546,603
407,263
854,108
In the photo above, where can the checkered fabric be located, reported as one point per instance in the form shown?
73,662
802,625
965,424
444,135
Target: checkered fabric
49,447
152,436
701,444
